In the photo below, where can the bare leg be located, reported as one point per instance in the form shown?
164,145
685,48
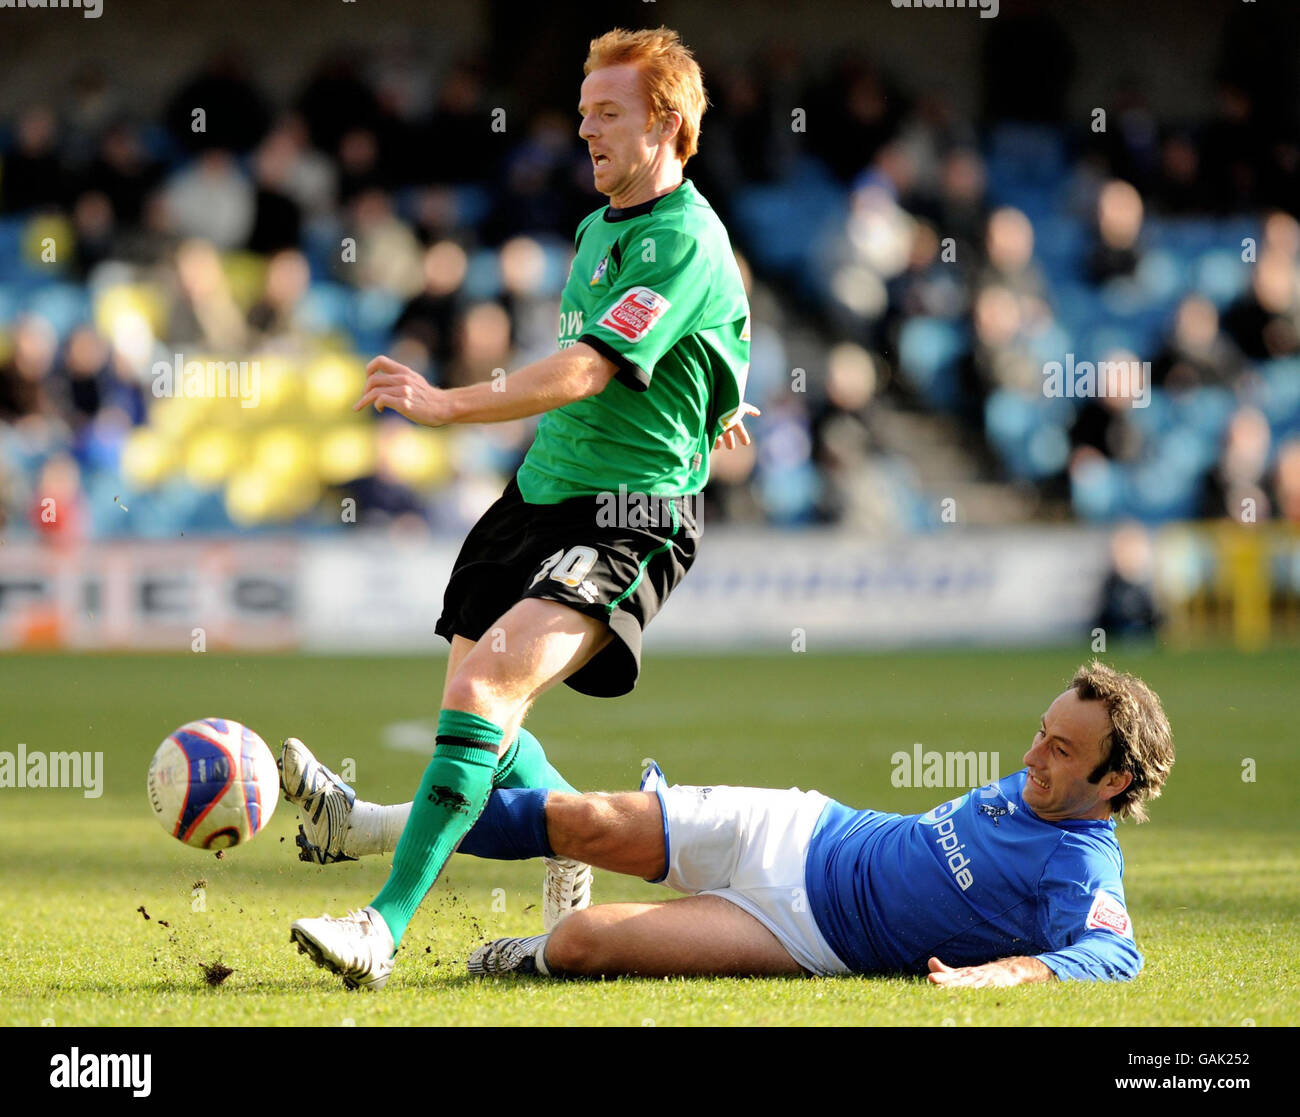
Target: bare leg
697,935
623,833
534,646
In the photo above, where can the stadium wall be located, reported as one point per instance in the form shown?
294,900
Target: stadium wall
748,591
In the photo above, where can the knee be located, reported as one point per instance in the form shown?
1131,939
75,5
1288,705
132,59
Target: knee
575,944
472,689
577,825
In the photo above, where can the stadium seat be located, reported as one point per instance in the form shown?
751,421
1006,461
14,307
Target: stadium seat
63,305
1097,490
928,352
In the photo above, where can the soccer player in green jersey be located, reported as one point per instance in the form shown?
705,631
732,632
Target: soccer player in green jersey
599,525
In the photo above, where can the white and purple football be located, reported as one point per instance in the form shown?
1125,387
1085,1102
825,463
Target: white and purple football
213,783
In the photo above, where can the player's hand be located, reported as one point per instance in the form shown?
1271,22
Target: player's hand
971,977
1008,971
394,387
736,434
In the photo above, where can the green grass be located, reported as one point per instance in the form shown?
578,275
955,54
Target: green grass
1213,881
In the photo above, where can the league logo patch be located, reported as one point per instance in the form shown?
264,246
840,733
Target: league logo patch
1108,913
636,313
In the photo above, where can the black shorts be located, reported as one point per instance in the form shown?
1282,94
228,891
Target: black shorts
615,557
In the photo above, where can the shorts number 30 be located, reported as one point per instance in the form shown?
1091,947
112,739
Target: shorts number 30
569,567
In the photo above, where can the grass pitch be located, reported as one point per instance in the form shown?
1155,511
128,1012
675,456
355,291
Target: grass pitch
104,920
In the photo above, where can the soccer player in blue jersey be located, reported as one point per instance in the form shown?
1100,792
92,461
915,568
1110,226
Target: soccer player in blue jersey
1018,881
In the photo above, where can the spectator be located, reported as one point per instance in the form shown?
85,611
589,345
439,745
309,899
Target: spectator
1235,487
82,370
203,310
1198,353
533,313
122,173
58,508
1118,226
1009,256
277,218
275,317
211,199
24,377
1104,423
31,175
235,114
1287,481
1128,607
1265,321
430,316
388,254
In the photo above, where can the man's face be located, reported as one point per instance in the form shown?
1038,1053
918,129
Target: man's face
1065,750
616,127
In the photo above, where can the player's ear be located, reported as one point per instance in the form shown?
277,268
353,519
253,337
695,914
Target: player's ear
1113,783
669,125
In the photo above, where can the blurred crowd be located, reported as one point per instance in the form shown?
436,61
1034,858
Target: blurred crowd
900,256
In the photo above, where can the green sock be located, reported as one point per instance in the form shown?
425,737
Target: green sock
452,795
525,765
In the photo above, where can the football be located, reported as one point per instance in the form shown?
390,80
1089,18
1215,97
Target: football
213,783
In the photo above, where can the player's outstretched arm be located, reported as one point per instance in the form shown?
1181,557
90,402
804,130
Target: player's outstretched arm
564,377
1021,970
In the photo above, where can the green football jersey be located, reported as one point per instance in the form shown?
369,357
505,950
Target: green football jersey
656,289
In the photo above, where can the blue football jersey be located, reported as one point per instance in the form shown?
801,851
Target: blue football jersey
979,877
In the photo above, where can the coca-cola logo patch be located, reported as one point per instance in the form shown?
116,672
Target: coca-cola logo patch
1108,913
635,314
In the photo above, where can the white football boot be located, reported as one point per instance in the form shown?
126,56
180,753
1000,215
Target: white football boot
323,800
358,947
567,889
524,956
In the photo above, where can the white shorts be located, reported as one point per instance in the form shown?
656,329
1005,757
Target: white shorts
749,846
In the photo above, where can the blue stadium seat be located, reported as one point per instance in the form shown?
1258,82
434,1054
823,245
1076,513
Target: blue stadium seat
374,312
11,299
1279,396
1205,410
928,352
63,305
483,277
1028,433
327,307
1097,490
1221,275
1163,276
11,248
1162,490
1061,244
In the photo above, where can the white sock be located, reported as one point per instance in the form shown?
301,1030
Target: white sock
539,956
374,828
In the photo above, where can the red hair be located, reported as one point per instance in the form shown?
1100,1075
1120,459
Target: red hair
673,82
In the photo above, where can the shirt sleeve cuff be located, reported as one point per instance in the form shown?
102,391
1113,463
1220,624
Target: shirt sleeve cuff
628,373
